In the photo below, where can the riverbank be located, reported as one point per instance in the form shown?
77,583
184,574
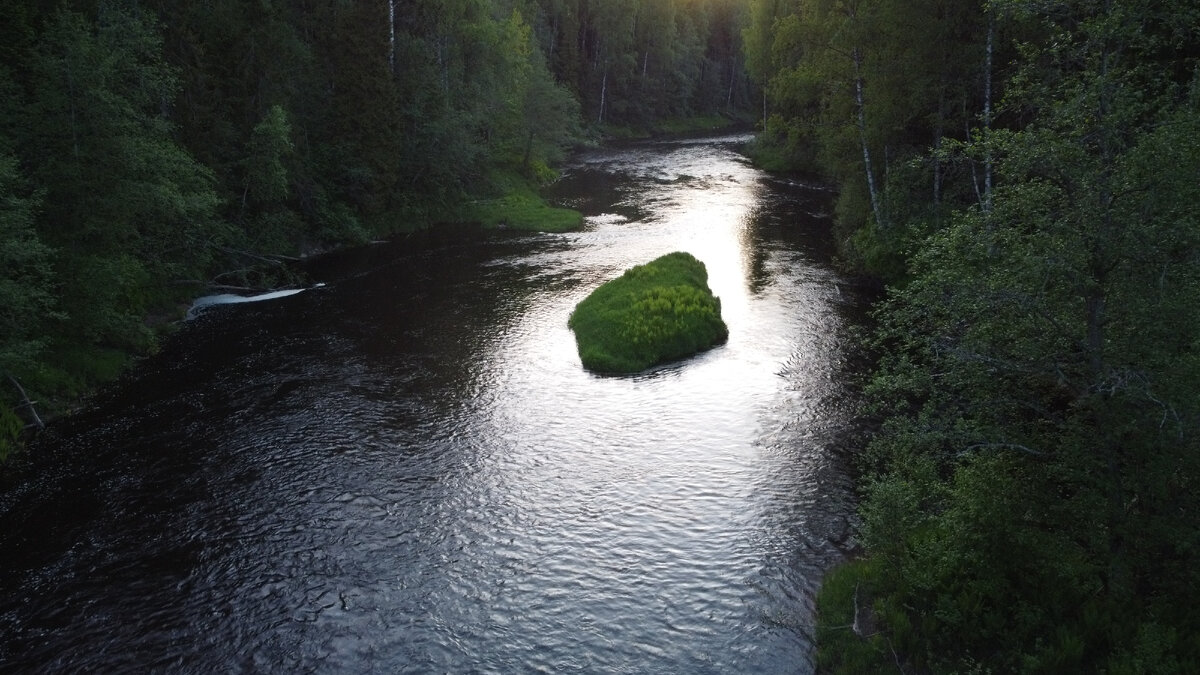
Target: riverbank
68,372
425,417
678,127
515,203
62,380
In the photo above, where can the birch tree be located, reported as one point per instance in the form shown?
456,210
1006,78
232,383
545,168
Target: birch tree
1031,507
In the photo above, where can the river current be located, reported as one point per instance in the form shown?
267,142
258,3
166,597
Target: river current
406,469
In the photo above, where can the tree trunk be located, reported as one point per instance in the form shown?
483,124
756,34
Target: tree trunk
528,151
1094,305
74,126
987,112
938,132
860,103
732,79
603,93
27,405
392,36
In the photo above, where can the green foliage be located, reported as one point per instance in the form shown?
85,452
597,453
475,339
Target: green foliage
115,178
26,276
846,596
11,428
856,91
874,250
270,145
653,313
1027,503
511,200
673,126
324,124
631,64
126,206
139,150
71,371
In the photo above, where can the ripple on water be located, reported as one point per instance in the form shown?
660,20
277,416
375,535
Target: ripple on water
408,471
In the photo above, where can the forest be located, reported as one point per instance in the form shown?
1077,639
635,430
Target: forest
150,151
1021,175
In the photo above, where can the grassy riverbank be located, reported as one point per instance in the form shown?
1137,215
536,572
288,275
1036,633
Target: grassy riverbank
653,313
510,199
525,211
677,127
848,636
71,369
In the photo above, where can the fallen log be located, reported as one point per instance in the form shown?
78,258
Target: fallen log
26,404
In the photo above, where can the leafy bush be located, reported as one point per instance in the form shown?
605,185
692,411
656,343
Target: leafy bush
653,313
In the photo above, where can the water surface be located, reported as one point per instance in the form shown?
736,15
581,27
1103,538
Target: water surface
407,470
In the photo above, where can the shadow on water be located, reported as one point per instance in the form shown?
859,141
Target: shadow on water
407,469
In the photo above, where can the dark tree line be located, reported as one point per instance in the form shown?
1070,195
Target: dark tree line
633,62
1025,174
150,148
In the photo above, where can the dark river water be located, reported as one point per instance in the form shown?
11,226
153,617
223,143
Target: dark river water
407,469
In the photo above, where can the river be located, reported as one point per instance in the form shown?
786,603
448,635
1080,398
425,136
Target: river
407,470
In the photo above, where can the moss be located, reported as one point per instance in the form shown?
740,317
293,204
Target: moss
653,313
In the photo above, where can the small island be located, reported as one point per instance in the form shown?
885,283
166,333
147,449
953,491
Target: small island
653,313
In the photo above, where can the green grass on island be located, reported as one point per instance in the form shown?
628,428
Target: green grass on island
653,313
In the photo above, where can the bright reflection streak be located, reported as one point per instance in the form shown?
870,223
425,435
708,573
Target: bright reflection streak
710,222
688,480
411,471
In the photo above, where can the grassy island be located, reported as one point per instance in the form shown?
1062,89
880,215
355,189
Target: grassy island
653,313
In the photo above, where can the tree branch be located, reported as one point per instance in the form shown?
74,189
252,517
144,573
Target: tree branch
27,404
1006,446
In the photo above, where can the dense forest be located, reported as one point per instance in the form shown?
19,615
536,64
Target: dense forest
152,150
1024,174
